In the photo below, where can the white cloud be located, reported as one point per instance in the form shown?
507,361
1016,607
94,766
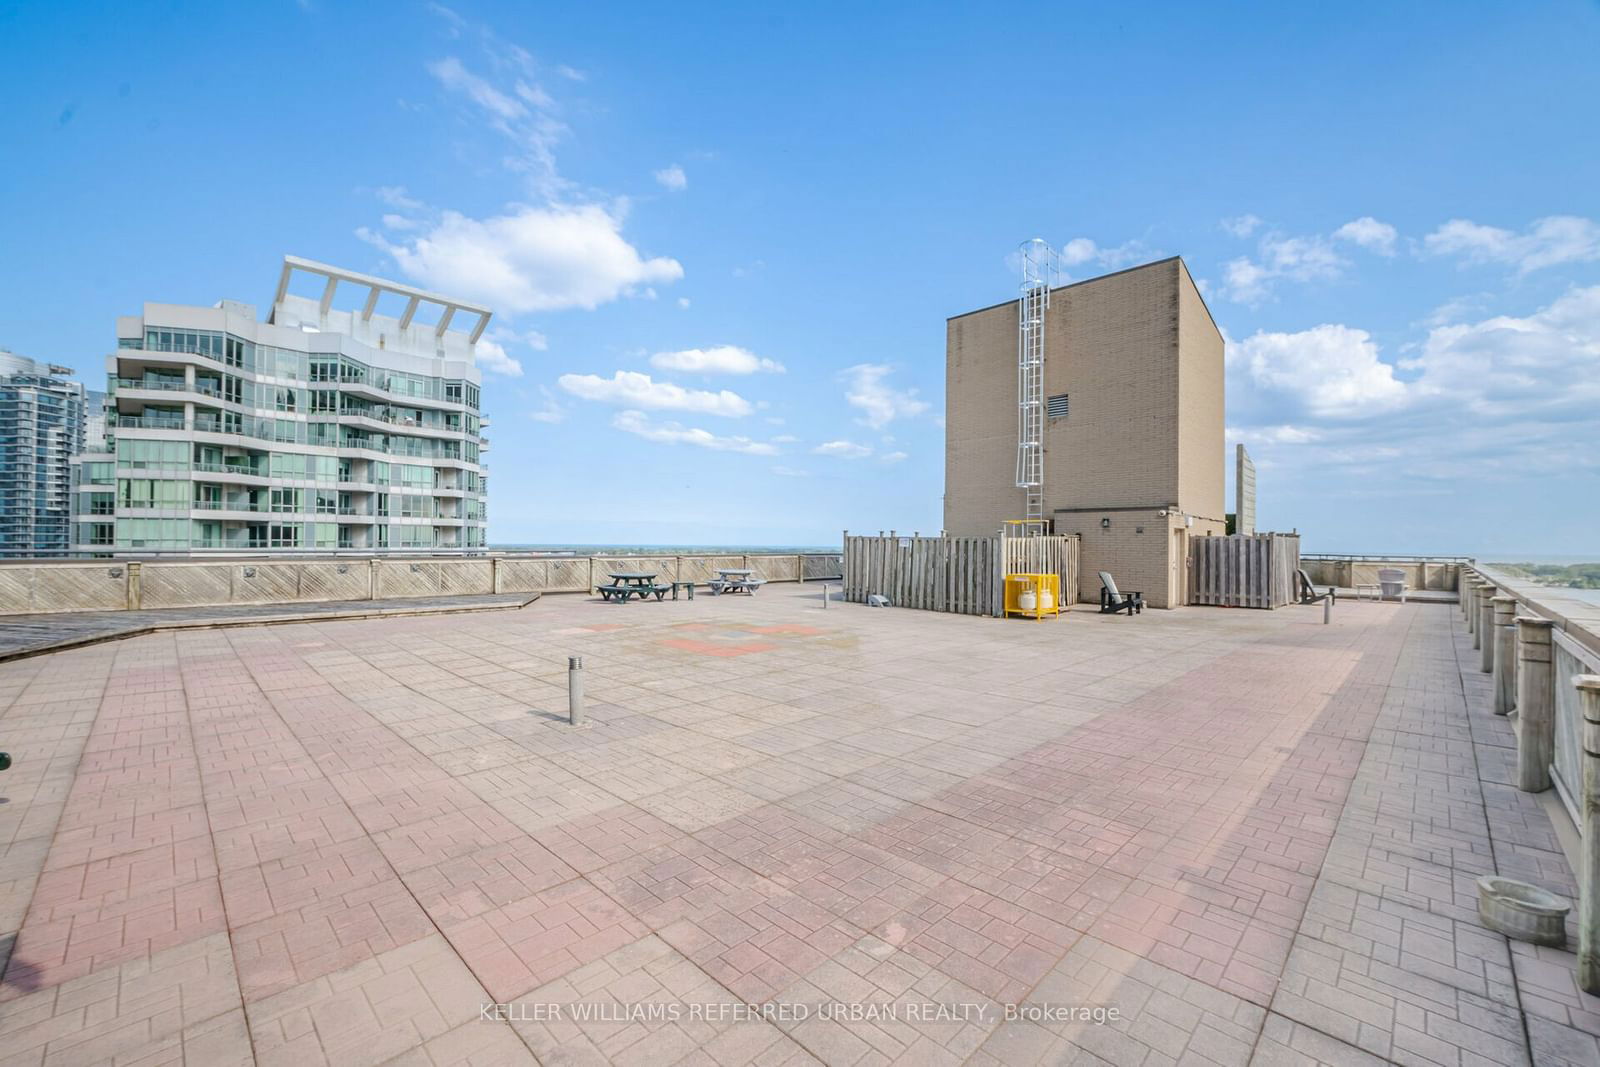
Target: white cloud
571,73
1369,233
671,433
530,259
1271,435
452,75
719,359
1078,250
1329,371
1304,259
1543,363
396,196
673,178
843,449
1504,398
398,222
494,349
492,357
892,457
552,412
1548,242
783,438
683,302
790,472
1082,250
880,403
1241,226
634,390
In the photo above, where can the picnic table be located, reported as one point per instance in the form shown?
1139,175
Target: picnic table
735,580
625,584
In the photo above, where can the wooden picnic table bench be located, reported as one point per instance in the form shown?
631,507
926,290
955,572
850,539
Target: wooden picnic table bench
625,584
735,581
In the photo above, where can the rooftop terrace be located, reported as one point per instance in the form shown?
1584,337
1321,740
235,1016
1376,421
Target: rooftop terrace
1253,835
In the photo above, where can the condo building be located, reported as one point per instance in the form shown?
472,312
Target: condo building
320,430
42,426
1132,428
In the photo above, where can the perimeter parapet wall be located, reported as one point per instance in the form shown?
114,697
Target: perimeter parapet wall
52,586
1422,572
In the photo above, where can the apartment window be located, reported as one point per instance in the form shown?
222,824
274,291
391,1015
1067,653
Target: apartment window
324,400
324,370
152,453
288,465
283,536
289,364
452,392
326,503
152,533
286,500
1056,406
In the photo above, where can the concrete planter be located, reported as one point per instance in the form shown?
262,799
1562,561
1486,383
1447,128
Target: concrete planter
1523,911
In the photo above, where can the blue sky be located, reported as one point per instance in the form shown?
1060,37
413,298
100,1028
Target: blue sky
723,240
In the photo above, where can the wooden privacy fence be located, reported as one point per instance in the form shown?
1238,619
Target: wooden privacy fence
963,575
1244,570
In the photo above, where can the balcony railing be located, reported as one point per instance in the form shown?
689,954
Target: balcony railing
253,428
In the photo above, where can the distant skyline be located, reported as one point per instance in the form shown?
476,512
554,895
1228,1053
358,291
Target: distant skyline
722,242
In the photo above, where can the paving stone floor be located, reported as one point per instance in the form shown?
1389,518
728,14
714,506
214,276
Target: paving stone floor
788,835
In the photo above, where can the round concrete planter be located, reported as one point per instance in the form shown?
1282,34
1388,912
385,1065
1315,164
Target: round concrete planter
1522,911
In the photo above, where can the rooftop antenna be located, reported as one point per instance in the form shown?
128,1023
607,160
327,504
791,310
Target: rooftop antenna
1041,269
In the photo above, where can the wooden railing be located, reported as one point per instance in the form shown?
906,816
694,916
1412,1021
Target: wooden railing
962,575
1243,570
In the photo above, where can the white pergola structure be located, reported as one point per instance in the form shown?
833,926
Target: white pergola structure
376,286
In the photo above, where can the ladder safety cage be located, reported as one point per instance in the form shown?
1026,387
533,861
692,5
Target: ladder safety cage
1040,270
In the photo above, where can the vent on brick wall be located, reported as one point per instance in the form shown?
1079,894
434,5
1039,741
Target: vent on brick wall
1056,406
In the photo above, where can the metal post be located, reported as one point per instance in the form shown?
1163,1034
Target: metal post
575,690
1486,629
1536,700
1327,608
1472,612
1589,849
1505,654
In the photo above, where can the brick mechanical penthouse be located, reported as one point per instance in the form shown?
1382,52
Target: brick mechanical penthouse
1132,430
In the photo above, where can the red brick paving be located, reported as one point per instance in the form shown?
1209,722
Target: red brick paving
913,806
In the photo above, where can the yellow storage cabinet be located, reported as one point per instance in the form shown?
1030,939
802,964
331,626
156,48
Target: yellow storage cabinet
1033,595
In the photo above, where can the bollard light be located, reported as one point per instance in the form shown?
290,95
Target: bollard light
575,690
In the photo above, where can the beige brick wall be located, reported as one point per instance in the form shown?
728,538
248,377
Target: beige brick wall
1202,443
1141,362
